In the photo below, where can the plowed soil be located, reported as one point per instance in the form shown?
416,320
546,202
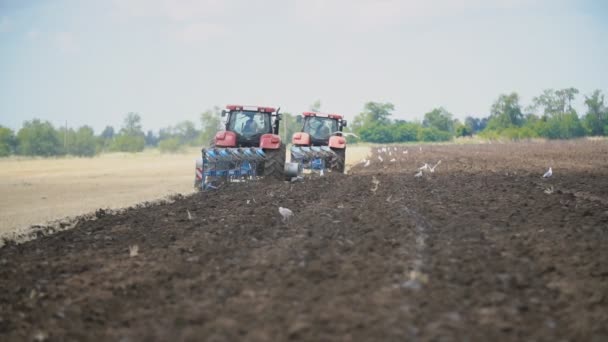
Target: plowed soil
481,249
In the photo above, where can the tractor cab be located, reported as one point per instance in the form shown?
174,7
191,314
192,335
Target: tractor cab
320,127
247,124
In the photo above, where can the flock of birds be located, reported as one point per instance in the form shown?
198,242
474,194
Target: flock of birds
393,150
286,213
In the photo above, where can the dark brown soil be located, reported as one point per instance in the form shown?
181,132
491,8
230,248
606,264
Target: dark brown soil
477,250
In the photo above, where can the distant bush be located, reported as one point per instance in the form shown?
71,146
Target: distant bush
432,134
82,143
7,142
171,145
128,143
37,138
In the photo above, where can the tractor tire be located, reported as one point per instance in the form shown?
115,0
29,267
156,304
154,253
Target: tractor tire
274,165
338,165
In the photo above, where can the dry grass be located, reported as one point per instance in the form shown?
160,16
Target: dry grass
37,190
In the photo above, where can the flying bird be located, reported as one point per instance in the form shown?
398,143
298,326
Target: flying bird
433,168
548,173
285,213
424,167
366,163
346,134
419,174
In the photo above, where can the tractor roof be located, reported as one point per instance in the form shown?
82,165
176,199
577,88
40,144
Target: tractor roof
251,108
324,115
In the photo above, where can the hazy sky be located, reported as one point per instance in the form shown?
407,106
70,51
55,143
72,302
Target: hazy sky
90,62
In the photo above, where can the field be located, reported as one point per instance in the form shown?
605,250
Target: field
35,191
483,248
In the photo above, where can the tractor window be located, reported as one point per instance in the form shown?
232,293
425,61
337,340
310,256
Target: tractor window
320,128
249,123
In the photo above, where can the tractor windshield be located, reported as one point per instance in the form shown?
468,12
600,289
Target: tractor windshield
320,128
249,124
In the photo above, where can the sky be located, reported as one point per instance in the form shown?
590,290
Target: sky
91,62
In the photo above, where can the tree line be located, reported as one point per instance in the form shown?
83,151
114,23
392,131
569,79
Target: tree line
41,138
549,115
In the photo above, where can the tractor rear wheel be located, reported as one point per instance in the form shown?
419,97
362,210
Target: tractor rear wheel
338,165
274,165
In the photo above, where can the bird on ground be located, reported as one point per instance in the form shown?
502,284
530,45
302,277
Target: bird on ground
548,174
285,213
380,159
424,167
393,160
366,163
419,174
405,152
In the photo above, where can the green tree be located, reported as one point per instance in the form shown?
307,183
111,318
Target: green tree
505,112
37,138
82,142
211,123
132,125
378,112
187,133
439,118
463,131
596,118
8,142
554,102
131,137
108,133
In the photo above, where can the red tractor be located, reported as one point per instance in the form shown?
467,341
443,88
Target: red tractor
320,144
249,146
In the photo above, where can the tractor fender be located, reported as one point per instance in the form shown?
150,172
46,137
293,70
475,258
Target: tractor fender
337,142
270,141
301,139
225,139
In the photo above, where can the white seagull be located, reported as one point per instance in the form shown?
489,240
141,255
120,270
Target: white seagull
393,160
419,174
433,168
366,163
380,159
424,167
548,173
285,213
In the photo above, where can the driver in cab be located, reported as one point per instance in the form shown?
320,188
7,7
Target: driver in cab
251,127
